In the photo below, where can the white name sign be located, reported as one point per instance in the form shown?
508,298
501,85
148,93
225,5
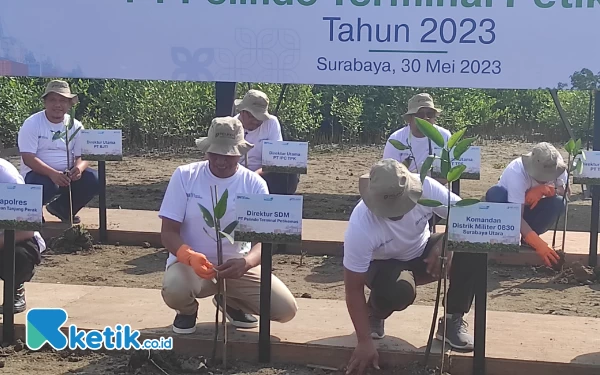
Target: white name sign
470,159
102,145
285,157
499,44
20,207
591,169
494,223
269,218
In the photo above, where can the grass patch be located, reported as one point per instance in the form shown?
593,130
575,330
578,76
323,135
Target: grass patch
283,238
290,170
464,176
586,181
20,225
472,247
91,157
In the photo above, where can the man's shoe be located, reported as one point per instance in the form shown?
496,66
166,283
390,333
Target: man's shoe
20,303
457,335
185,324
377,327
238,318
61,216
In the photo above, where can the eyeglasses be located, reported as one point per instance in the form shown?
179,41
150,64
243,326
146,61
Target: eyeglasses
426,114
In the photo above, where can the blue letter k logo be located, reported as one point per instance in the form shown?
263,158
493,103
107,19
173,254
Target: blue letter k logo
43,326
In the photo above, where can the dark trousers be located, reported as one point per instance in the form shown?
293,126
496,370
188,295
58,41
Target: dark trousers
27,256
82,191
541,218
281,183
393,283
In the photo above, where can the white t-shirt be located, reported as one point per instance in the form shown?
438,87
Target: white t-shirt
270,130
35,136
369,237
516,181
189,186
420,146
10,175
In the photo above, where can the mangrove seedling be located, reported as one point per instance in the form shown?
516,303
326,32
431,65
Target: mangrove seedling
450,152
219,208
576,156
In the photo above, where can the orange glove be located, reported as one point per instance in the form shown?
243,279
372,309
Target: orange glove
548,255
533,195
197,261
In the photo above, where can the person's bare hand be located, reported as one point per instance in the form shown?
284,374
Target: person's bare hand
364,355
232,269
75,173
433,260
60,179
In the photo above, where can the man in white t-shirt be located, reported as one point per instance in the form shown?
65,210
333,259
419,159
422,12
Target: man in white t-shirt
421,106
29,245
193,251
388,247
260,125
537,181
42,144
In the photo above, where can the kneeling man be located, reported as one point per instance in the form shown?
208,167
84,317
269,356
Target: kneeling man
533,180
388,247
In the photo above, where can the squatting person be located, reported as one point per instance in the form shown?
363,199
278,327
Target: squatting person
191,265
29,244
44,155
260,125
537,181
388,247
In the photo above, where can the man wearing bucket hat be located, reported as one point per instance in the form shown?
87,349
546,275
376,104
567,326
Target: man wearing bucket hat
421,106
388,247
191,266
44,154
260,125
537,181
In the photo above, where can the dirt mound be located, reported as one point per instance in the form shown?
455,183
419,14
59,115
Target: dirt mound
72,240
578,274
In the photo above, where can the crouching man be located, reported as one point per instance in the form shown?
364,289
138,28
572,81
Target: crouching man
388,247
190,271
533,180
29,245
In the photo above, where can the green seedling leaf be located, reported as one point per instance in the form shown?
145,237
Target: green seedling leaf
582,155
570,146
226,235
426,167
208,219
462,147
579,166
58,135
430,131
74,134
221,207
429,203
456,137
466,202
445,164
231,227
577,147
399,145
455,172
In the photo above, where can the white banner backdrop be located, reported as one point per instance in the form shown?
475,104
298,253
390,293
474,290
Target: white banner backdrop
521,44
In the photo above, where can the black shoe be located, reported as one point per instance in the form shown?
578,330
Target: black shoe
61,216
185,324
20,303
377,327
238,318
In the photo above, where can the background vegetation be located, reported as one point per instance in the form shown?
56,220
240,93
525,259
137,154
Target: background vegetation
157,114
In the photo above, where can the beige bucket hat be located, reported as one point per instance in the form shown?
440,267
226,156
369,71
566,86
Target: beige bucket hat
256,102
390,190
419,101
225,137
544,163
61,88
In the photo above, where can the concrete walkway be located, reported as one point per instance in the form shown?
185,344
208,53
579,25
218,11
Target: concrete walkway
319,237
322,333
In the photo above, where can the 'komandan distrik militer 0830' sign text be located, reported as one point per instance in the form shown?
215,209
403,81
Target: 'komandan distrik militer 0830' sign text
493,223
426,43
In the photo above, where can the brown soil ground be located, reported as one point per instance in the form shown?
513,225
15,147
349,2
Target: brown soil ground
330,191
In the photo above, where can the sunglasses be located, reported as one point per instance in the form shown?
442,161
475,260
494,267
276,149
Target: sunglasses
426,114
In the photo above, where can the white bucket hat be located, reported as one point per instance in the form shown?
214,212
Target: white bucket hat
390,190
544,163
256,102
225,137
419,101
